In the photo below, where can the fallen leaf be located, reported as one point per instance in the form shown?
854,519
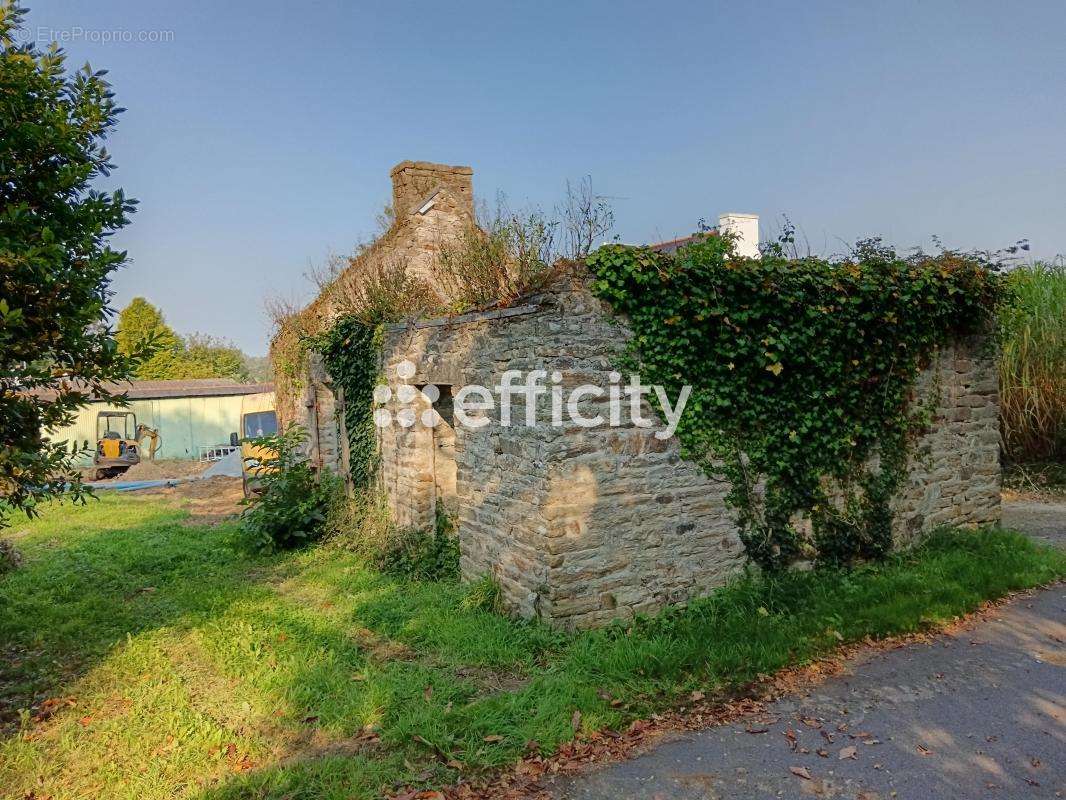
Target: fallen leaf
822,752
800,772
575,720
757,730
923,750
696,696
847,752
84,721
427,693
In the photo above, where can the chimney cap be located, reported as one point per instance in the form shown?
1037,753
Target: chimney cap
429,165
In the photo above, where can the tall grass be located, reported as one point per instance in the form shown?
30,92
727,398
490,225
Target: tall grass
1032,368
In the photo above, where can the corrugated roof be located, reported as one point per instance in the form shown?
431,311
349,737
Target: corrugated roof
152,390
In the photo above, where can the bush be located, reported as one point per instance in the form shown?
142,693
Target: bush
289,507
423,555
361,525
505,257
1032,367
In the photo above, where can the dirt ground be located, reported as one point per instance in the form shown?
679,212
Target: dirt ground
153,470
208,500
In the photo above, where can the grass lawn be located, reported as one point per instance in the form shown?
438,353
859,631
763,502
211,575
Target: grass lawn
173,665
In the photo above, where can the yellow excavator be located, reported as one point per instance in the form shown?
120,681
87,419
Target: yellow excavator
255,461
118,442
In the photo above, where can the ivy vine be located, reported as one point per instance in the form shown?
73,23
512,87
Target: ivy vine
803,375
350,351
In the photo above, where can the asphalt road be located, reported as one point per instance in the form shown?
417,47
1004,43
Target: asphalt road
979,714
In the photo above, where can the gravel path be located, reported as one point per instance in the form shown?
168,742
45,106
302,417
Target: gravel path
1045,522
981,713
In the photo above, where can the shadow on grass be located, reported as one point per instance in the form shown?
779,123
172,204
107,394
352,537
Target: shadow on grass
358,680
721,642
98,574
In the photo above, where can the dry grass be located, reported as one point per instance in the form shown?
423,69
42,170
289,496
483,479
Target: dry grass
1032,371
497,261
374,285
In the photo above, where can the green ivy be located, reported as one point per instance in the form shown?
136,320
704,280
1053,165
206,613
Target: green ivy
802,371
350,350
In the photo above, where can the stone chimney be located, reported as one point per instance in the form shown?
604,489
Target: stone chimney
746,229
418,187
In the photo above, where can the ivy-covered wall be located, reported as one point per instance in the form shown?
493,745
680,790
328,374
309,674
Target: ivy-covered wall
581,526
802,373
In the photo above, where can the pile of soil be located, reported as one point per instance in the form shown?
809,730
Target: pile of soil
165,468
145,471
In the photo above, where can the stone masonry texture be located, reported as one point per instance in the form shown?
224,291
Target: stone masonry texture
584,526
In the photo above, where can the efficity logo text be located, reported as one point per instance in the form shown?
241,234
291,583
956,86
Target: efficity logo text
515,400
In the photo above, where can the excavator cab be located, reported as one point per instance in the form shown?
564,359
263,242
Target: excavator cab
116,443
255,460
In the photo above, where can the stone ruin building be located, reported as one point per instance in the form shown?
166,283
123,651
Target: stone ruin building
580,525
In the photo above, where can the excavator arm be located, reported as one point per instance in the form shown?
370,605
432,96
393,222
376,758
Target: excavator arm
155,440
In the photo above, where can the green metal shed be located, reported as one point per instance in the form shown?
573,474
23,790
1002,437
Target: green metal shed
189,414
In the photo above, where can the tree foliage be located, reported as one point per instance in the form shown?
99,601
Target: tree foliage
174,357
802,373
55,261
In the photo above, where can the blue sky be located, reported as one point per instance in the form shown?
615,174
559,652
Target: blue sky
259,138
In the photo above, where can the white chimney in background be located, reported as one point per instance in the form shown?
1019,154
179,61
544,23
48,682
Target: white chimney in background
746,229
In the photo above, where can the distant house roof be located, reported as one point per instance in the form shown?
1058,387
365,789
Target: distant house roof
152,390
673,245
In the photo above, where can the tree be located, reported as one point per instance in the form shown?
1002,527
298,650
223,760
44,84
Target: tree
208,357
259,368
56,348
141,322
174,358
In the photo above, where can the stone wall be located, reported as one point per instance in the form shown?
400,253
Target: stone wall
954,471
581,526
317,411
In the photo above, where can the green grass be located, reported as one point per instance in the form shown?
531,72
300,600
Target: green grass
197,671
1032,367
